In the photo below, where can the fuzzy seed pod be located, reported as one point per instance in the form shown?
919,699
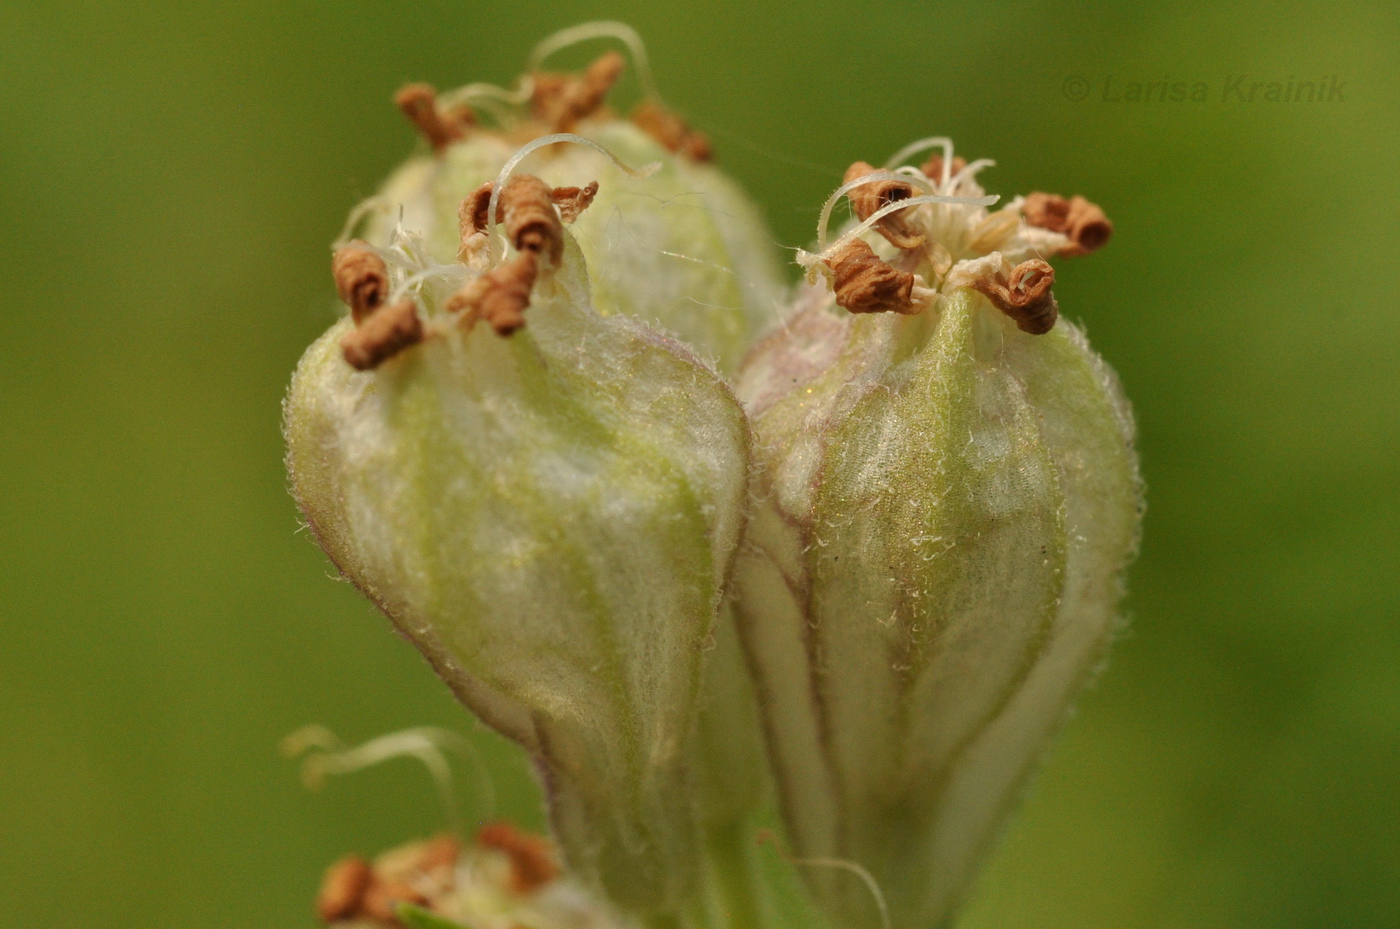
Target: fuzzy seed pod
550,518
949,502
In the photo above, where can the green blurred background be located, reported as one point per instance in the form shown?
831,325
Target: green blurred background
171,174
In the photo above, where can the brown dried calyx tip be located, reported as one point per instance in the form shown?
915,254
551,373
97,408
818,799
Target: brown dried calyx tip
1025,296
867,199
671,132
500,296
361,278
417,873
526,209
561,100
1083,222
532,864
572,201
419,103
343,889
865,283
933,168
382,334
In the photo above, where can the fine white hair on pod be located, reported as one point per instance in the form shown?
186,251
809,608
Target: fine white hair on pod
492,257
500,102
362,209
841,864
325,754
600,29
812,261
865,876
923,145
825,219
861,181
449,271
969,172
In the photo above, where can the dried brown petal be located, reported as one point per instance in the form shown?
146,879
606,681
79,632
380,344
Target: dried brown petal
670,131
867,199
1025,296
440,851
527,210
573,200
382,335
531,857
383,897
1088,225
471,216
1082,221
561,100
864,283
361,278
500,296
933,168
460,119
1048,211
419,104
343,889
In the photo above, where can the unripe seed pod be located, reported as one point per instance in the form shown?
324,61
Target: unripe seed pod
950,499
550,518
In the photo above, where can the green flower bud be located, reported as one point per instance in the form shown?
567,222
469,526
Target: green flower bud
951,496
549,517
684,248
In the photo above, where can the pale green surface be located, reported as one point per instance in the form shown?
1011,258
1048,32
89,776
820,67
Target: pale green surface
551,518
951,541
172,175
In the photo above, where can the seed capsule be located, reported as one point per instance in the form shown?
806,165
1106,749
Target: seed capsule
948,501
551,519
